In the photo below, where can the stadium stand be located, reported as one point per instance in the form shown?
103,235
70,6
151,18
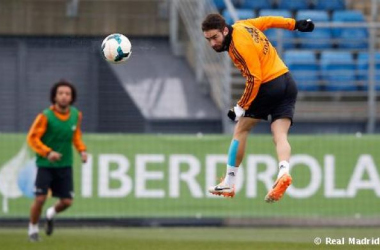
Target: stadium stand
362,66
329,5
275,12
293,4
338,71
242,14
304,68
220,4
319,38
345,35
256,4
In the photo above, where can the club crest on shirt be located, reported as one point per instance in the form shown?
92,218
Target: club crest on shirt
74,127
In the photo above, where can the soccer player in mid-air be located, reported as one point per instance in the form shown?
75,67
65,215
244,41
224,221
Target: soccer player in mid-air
269,90
51,137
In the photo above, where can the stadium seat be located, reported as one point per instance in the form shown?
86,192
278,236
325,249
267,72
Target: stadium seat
338,71
275,12
315,15
242,14
220,4
293,4
272,34
329,4
256,4
348,16
362,67
304,68
345,35
319,38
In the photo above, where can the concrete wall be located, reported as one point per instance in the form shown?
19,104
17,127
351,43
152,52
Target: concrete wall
30,66
95,17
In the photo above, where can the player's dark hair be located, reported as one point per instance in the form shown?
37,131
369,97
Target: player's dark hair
53,91
214,21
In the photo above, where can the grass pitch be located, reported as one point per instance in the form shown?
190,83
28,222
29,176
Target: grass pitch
184,238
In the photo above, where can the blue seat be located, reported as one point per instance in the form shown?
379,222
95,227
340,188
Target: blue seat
362,67
220,4
242,14
355,38
304,68
346,16
315,15
275,12
320,38
256,4
293,4
330,4
276,34
345,35
338,71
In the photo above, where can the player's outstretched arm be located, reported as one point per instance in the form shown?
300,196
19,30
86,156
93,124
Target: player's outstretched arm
267,22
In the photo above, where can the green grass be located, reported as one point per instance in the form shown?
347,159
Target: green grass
183,238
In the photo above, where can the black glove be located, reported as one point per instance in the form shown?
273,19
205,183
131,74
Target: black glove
231,114
304,25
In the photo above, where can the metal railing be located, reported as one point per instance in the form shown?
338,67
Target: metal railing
211,67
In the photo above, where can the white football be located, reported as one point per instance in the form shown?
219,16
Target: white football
116,48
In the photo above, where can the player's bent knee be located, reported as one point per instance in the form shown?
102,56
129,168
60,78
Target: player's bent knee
67,202
240,131
40,199
244,126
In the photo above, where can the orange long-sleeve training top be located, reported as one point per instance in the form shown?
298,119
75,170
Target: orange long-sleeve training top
254,55
38,129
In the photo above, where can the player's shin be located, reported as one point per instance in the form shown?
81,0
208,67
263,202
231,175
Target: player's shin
232,169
